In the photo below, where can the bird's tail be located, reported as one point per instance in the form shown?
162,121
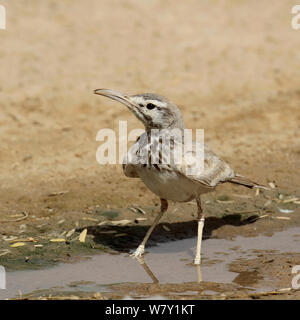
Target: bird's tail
237,179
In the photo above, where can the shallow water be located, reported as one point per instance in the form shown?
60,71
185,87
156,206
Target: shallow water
167,263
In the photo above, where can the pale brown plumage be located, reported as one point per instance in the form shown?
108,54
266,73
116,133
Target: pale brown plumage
170,180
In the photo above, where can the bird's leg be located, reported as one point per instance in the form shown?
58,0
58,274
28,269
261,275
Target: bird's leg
141,248
200,230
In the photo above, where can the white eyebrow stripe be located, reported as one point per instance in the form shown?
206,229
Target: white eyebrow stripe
139,100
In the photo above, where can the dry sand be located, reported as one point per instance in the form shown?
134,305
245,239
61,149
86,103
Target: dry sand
233,67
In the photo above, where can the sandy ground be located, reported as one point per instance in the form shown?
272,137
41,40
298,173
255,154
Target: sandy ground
232,67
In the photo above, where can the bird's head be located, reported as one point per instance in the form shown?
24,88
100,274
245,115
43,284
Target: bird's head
156,112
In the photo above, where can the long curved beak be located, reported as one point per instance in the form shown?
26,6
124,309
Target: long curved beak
115,95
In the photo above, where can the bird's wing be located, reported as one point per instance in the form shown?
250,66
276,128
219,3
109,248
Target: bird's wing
212,171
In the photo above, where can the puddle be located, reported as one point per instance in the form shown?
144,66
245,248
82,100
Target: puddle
166,263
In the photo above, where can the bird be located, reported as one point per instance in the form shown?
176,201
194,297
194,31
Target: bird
169,180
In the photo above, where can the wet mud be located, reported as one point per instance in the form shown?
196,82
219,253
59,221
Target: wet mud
242,268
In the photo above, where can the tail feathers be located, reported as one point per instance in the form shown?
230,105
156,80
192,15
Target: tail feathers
247,182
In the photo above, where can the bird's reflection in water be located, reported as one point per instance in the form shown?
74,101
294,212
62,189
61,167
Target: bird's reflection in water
199,273
142,262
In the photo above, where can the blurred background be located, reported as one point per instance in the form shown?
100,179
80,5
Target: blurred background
232,66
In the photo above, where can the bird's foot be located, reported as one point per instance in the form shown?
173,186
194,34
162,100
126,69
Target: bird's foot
138,253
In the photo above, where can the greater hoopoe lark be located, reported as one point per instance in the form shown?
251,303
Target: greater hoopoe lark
169,180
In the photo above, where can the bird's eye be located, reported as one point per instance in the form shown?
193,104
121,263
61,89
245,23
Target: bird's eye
150,106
